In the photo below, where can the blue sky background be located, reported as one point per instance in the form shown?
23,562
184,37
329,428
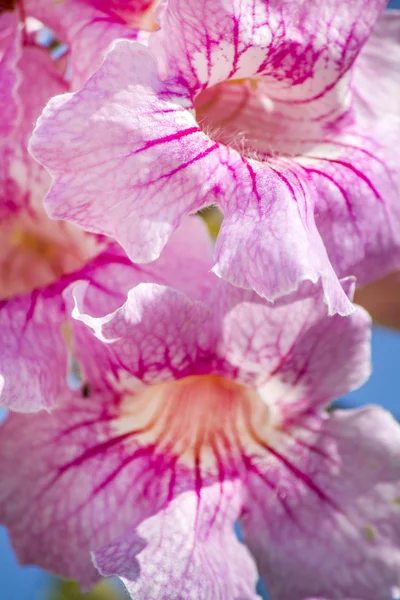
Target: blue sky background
29,583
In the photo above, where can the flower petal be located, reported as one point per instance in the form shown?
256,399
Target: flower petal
380,57
332,528
23,182
135,191
10,52
355,169
356,177
189,550
156,335
298,357
90,42
71,482
364,168
33,355
269,221
76,479
41,258
301,48
86,29
184,265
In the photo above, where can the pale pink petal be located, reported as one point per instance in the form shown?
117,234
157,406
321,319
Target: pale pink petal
189,550
23,182
33,355
71,482
87,30
90,43
40,81
138,185
184,264
355,168
268,240
38,261
376,77
300,359
359,176
357,210
330,527
301,48
157,335
10,51
89,34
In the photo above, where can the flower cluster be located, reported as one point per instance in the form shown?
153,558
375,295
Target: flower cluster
176,387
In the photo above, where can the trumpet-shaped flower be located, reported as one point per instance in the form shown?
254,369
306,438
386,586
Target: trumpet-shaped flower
263,108
39,256
203,405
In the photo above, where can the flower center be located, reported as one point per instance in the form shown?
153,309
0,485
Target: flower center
242,115
198,419
238,114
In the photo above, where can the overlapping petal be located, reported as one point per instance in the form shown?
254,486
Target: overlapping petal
9,57
23,182
301,48
33,356
356,171
157,335
34,332
376,75
356,177
181,170
184,264
268,240
298,357
36,312
81,483
332,528
188,550
88,29
144,191
292,351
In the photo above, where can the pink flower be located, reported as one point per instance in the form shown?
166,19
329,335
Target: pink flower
261,107
88,27
203,405
131,11
9,56
82,26
40,257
